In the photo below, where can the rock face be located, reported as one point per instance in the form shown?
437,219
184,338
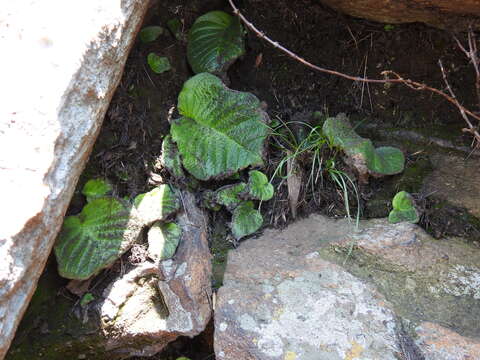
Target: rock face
451,14
321,287
63,63
137,314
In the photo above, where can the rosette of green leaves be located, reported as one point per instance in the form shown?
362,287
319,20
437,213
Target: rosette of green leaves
380,161
95,238
215,41
404,209
221,132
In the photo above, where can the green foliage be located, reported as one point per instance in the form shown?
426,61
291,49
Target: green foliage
229,196
215,41
96,188
163,240
403,209
175,27
158,204
150,33
389,27
171,158
259,187
245,220
221,132
86,299
362,153
158,64
94,239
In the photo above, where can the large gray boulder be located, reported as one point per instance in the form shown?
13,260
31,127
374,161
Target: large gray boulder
61,63
323,289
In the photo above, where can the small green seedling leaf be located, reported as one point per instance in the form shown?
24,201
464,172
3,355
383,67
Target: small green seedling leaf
96,188
221,132
158,64
95,238
163,240
150,33
86,299
389,27
171,158
361,153
229,196
215,41
403,209
175,27
259,187
183,358
158,204
245,220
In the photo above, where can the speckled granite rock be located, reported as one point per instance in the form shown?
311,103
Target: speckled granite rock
321,289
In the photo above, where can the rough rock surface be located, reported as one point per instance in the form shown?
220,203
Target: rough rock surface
453,14
62,64
137,314
322,287
281,300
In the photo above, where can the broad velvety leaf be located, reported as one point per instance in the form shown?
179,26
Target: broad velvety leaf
171,159
163,240
259,187
95,238
158,204
229,196
245,220
214,42
221,132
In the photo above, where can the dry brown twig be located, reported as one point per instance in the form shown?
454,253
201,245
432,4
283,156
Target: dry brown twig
398,79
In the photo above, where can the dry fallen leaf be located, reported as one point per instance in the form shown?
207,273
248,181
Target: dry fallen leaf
258,60
294,183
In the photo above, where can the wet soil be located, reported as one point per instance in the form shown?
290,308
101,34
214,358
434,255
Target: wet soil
129,146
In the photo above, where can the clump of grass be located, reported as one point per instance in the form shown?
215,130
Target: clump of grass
313,147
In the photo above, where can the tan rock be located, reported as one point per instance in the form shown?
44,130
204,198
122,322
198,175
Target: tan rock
60,66
452,14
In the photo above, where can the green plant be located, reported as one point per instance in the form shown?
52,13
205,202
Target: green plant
158,64
150,33
215,41
157,204
86,299
404,209
107,227
175,27
310,144
171,158
221,132
360,152
163,239
245,220
95,238
96,188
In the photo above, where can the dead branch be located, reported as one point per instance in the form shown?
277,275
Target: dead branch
414,85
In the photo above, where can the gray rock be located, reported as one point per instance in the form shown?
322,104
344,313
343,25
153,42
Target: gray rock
281,300
61,65
322,289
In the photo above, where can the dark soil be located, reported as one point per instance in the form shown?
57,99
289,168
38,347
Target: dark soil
129,146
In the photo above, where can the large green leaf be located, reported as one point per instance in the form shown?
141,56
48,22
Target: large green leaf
229,196
245,220
158,204
95,238
214,42
221,132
